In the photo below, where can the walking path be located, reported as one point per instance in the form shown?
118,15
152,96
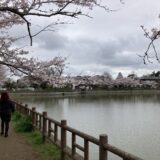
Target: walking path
15,147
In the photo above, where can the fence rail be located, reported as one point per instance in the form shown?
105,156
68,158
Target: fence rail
49,129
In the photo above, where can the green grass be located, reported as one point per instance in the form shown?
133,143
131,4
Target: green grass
22,125
47,150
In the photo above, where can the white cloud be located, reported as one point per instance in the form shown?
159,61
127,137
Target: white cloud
108,42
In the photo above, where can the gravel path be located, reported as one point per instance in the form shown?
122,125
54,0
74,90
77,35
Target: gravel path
15,147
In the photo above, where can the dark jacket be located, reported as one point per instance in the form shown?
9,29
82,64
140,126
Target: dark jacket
6,107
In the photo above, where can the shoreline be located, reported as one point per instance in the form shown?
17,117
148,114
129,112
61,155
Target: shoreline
87,93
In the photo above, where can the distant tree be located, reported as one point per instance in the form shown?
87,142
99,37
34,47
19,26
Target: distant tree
25,82
157,74
107,75
9,84
132,75
119,76
45,85
153,74
34,85
126,83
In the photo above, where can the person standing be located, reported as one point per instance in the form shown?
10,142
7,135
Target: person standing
6,109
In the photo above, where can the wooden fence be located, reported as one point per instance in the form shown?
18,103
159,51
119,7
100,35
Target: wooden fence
57,133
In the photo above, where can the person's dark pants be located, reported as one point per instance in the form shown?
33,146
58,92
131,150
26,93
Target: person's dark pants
4,127
5,119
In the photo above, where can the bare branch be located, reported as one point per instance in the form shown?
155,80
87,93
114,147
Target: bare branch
152,36
53,8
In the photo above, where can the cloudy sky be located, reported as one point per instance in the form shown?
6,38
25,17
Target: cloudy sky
108,42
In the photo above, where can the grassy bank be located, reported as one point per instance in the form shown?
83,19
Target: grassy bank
23,126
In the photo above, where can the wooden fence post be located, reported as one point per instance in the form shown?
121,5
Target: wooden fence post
20,107
36,120
55,132
73,144
40,123
86,150
63,139
44,126
103,155
15,105
49,128
26,110
23,109
33,116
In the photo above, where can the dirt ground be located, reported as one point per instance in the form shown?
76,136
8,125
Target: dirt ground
14,147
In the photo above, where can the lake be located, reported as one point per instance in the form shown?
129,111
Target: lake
130,119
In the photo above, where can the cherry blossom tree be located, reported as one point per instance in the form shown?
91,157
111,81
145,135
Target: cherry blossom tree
22,12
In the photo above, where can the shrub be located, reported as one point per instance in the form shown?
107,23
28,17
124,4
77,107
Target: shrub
22,123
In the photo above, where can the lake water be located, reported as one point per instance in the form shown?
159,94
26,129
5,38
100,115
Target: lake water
131,120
